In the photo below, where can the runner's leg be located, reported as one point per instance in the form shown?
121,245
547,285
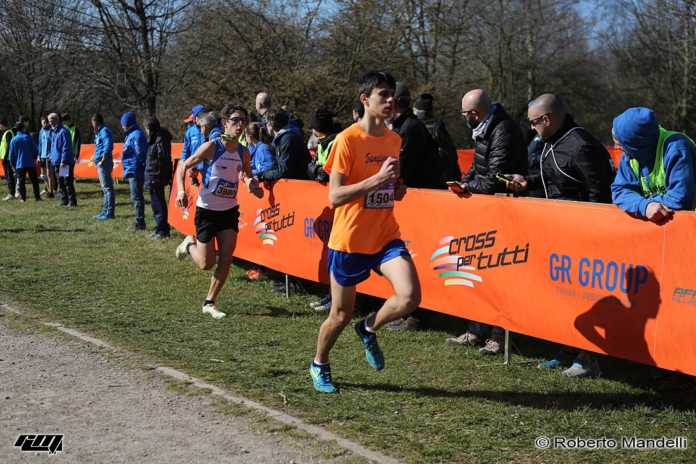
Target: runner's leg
407,294
227,240
342,308
203,254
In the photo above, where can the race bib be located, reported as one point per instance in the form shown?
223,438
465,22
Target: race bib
225,189
383,197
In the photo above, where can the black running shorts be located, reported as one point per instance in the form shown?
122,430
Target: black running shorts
209,222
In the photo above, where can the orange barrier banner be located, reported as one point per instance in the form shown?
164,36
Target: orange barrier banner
84,168
581,274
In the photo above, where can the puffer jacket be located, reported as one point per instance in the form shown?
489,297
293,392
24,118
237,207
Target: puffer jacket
500,149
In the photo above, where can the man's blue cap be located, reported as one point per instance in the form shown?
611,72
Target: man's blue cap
195,111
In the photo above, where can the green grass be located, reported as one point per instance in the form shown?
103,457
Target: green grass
432,403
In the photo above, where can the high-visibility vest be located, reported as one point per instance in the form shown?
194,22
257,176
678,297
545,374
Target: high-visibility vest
5,143
73,139
656,182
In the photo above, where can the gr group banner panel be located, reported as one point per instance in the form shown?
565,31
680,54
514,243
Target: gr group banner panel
580,274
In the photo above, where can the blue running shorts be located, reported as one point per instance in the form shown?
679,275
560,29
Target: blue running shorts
350,269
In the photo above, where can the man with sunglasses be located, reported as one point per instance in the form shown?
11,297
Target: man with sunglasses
499,149
573,166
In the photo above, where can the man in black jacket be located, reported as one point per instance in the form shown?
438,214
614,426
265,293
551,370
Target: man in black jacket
499,144
418,158
447,161
291,153
499,149
158,174
574,166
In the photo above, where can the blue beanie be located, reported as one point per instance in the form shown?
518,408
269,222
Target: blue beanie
128,119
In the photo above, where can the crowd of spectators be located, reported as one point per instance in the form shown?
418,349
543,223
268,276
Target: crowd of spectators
555,158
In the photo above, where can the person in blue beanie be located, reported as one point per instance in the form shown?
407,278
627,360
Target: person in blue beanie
657,172
104,160
63,161
23,155
133,162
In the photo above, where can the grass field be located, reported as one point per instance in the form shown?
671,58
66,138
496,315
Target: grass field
433,403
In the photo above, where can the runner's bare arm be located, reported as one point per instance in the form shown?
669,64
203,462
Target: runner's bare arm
340,194
245,176
204,153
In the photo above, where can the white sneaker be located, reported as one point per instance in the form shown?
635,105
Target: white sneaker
182,249
213,311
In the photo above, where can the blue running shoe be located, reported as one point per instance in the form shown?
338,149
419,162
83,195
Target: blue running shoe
549,364
373,353
321,377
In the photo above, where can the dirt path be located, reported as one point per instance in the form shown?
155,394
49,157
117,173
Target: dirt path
110,411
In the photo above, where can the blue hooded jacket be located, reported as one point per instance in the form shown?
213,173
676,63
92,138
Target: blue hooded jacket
103,145
637,130
61,147
134,148
44,142
262,158
23,151
192,140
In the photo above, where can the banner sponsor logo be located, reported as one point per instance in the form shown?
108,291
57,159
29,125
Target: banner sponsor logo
269,221
317,228
456,258
597,273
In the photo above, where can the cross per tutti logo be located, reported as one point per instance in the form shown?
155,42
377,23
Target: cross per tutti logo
267,237
453,273
269,221
457,257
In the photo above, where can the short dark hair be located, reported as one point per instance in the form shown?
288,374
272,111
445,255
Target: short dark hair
230,109
98,118
278,119
374,79
359,108
153,124
65,117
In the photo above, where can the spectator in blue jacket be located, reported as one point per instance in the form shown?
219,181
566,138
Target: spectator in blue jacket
133,162
63,161
104,160
192,136
23,155
657,172
44,157
262,157
292,156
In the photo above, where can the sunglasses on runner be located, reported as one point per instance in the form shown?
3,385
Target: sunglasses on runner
236,120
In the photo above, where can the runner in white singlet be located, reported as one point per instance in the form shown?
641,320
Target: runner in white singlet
217,211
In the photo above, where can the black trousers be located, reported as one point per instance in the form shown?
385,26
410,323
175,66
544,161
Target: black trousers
9,174
67,185
22,173
158,201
